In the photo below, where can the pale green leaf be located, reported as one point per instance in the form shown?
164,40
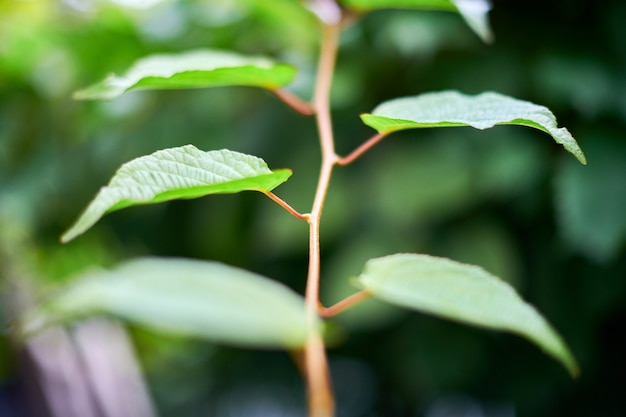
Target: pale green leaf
474,12
194,69
202,299
462,293
178,173
451,108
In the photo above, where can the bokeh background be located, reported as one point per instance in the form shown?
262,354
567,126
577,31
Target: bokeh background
508,199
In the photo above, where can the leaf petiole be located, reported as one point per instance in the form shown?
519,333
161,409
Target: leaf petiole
343,305
366,146
295,102
285,205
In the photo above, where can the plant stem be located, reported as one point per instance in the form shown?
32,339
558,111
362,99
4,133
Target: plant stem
285,205
345,304
366,146
321,401
295,102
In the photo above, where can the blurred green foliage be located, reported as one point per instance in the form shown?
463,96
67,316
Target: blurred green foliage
506,199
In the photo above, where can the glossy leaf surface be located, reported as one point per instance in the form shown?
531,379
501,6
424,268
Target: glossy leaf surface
474,12
194,69
463,293
196,298
451,108
178,173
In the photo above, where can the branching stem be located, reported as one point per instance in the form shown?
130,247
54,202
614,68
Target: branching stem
344,304
321,402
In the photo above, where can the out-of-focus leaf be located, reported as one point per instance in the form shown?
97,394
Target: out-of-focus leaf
591,202
474,12
463,293
436,182
581,83
484,243
194,69
451,108
204,299
178,173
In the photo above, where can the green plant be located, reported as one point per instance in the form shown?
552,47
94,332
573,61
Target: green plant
233,306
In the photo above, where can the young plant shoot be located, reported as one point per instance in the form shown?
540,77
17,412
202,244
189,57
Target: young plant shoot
232,306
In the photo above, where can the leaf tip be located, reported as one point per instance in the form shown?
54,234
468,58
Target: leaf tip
571,365
575,150
73,232
66,237
489,38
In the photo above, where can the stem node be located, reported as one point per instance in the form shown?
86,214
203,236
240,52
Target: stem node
321,401
344,304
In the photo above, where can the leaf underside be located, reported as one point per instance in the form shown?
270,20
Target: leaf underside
474,12
463,293
193,69
451,108
196,298
178,173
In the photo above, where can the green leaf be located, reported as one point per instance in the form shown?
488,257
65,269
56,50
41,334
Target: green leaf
194,69
178,173
474,12
463,293
451,108
203,299
591,202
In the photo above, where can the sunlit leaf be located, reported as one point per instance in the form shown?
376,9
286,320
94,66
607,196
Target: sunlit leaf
194,69
178,173
463,293
450,108
473,11
203,299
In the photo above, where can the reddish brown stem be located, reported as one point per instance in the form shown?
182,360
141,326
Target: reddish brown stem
285,205
297,356
344,304
366,146
321,401
295,102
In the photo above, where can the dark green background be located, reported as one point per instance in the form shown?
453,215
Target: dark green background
508,199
